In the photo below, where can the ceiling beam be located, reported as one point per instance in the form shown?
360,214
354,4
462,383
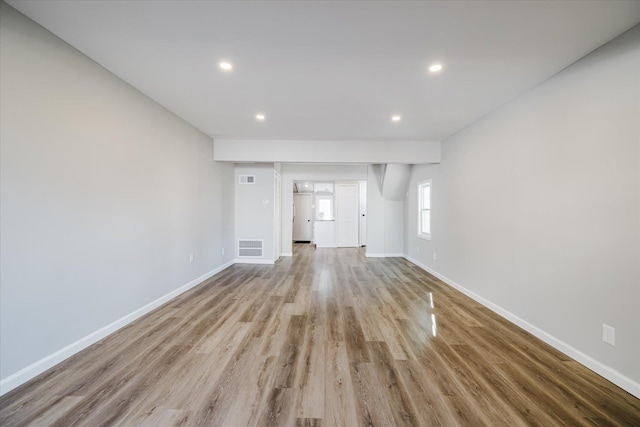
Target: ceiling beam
292,151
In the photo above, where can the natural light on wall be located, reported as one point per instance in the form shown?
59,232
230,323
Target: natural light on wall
424,209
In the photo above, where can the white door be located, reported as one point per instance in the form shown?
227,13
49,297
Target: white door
363,213
302,216
277,216
347,207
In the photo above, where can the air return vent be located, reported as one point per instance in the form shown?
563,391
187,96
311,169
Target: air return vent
247,179
249,248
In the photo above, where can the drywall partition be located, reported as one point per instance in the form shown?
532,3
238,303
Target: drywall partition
394,181
227,150
227,209
103,196
296,172
254,213
394,228
385,219
375,213
536,210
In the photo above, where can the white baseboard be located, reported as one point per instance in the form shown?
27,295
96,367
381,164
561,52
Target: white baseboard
23,375
254,261
601,369
286,254
368,255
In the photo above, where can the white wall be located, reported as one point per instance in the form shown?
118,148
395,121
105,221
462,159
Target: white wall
394,227
327,151
536,209
104,193
254,209
395,181
301,172
227,207
385,219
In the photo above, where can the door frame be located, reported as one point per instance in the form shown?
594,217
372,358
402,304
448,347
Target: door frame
362,214
277,216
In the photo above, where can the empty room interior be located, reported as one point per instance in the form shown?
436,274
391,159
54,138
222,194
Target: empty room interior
274,213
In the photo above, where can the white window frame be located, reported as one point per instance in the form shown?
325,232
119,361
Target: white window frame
421,208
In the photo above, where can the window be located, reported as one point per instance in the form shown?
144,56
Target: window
424,209
324,208
323,187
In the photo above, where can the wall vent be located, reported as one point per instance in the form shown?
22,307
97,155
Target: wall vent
247,179
249,248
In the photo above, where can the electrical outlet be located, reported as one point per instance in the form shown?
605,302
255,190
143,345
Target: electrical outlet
190,258
418,248
222,251
434,255
609,334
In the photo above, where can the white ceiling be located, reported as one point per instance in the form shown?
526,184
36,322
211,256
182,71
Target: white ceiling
333,70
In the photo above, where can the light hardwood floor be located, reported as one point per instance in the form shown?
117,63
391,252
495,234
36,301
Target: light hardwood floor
327,337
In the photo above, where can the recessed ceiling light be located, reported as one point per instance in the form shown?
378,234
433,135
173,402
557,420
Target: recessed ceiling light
435,68
396,118
260,116
226,66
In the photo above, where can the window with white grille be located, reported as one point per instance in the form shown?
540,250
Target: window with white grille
424,209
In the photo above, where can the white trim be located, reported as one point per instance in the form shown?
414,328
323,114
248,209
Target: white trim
254,261
25,374
286,254
599,368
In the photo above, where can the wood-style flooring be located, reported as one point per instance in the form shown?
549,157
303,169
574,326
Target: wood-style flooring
326,338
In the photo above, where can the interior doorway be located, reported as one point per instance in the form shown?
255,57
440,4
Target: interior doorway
330,214
347,209
302,217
